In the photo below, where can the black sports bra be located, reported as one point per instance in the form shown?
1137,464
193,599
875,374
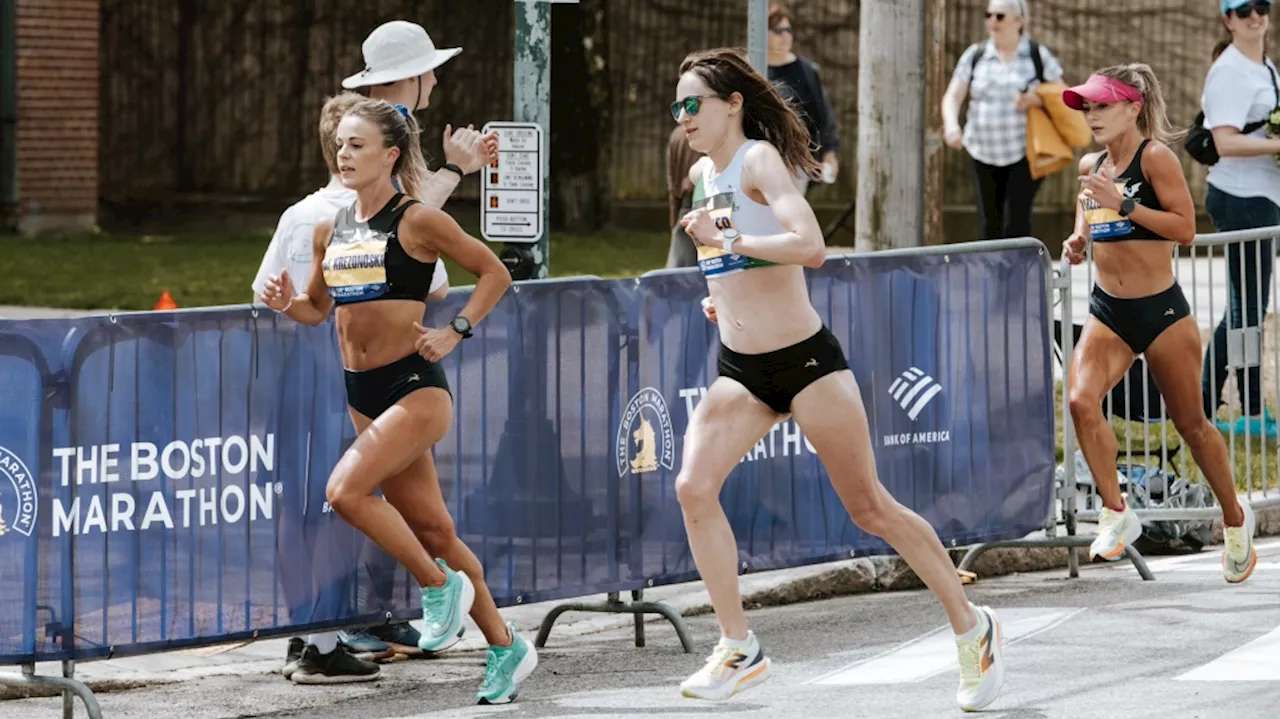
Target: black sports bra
1107,225
364,260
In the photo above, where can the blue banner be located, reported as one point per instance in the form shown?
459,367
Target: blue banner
162,475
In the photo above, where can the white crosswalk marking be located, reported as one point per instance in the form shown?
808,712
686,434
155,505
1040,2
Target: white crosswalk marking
935,652
1259,660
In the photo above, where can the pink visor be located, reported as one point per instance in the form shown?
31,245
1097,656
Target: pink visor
1100,88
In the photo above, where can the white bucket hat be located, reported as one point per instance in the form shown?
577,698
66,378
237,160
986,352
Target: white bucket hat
397,50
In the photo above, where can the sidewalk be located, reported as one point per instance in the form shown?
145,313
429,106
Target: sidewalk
266,656
761,589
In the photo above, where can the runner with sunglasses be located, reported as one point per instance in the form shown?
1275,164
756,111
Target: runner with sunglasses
1240,91
755,234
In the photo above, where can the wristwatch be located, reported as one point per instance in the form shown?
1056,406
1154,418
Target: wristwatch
1126,206
729,236
453,168
462,326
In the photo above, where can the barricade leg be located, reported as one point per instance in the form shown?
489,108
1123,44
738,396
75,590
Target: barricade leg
1070,542
66,682
614,605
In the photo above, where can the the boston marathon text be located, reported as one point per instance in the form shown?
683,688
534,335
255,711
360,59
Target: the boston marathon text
228,500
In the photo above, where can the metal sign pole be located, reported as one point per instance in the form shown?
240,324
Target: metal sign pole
758,35
533,105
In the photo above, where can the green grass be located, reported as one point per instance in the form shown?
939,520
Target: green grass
1255,464
128,272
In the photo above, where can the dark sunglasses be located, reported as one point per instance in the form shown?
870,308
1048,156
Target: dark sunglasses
691,105
780,30
1246,11
999,16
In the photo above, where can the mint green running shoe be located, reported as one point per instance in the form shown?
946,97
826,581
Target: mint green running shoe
443,609
505,668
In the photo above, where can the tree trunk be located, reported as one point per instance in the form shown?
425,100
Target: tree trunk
936,79
580,113
891,116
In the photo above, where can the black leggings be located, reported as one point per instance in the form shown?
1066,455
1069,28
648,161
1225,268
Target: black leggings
1005,196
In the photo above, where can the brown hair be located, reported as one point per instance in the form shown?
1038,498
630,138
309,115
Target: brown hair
399,130
1222,45
777,13
1153,120
330,115
765,115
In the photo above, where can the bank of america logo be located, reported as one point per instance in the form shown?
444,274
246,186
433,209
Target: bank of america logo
913,390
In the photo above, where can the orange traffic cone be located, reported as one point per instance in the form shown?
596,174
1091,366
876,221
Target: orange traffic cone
165,302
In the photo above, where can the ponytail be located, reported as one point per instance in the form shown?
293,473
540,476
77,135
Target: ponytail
400,130
412,165
1153,120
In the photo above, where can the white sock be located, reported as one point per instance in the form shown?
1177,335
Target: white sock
979,628
324,643
738,643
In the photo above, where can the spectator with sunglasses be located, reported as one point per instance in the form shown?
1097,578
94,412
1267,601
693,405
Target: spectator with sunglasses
999,77
1240,92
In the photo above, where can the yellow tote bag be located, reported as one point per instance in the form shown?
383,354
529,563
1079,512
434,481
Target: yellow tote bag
1072,127
1047,152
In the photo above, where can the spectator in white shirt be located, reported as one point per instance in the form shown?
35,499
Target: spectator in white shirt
1240,92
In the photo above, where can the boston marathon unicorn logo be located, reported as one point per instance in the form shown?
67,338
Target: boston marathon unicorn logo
646,459
17,496
646,440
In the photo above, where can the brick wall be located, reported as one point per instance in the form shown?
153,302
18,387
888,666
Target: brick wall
57,48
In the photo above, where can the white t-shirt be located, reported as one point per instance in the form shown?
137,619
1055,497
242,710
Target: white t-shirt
291,246
1239,91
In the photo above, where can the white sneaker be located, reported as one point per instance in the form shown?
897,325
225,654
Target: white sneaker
732,667
1239,558
981,662
1116,530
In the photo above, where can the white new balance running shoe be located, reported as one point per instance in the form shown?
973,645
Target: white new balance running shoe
732,667
1116,530
981,662
1239,558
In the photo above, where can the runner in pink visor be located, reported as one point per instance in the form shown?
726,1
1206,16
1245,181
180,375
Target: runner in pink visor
1100,89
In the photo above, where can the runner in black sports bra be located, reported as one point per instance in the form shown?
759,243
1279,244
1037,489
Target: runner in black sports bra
365,262
378,272
1137,321
1129,215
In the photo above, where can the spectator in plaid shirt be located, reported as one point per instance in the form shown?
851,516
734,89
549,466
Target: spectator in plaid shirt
998,77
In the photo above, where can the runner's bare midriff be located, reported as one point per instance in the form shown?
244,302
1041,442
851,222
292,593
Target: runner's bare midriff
1134,268
373,334
763,309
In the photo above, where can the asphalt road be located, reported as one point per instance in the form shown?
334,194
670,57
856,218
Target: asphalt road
1106,645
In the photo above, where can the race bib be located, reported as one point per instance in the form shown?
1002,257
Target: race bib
714,261
1104,222
355,266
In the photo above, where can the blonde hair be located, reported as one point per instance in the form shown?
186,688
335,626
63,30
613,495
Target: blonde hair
330,115
399,130
1153,120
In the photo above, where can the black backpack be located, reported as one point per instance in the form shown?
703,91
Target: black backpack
1199,141
1035,60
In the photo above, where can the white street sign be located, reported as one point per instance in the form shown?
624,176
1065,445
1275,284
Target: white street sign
513,188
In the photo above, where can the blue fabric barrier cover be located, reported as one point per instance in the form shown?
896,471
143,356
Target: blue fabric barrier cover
162,474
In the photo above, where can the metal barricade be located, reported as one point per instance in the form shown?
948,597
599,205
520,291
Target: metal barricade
1226,277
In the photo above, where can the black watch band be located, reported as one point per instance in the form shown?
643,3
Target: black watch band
1127,206
453,168
461,325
